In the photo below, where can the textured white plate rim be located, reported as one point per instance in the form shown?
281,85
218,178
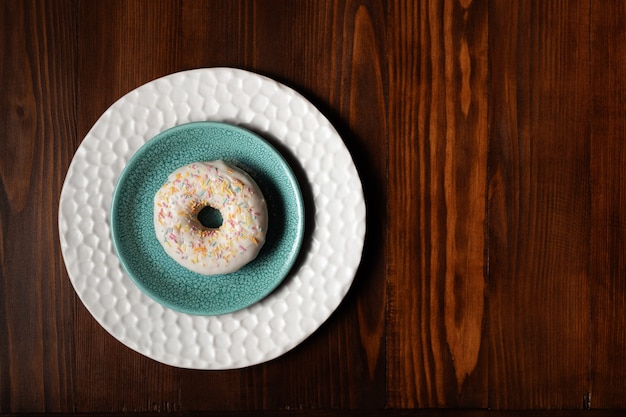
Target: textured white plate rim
266,329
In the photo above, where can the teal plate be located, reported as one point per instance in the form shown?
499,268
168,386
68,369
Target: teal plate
142,256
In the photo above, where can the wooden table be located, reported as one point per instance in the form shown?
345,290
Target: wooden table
490,137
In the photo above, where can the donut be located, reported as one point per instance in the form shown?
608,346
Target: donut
219,249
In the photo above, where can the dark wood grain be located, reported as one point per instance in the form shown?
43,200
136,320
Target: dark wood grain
37,131
608,244
539,204
437,179
424,412
489,137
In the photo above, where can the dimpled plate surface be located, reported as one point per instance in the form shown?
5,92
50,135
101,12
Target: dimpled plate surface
141,253
332,245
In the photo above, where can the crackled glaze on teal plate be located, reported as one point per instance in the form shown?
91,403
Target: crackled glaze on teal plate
143,257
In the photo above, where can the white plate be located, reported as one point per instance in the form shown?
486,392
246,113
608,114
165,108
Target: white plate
333,241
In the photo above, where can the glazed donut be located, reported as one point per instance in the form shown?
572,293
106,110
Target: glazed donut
210,250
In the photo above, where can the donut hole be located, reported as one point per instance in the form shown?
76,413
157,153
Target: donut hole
210,217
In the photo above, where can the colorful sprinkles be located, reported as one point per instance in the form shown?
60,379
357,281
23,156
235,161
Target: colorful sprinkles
204,250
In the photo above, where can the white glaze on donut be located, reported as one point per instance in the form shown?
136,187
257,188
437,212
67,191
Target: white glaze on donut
204,250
